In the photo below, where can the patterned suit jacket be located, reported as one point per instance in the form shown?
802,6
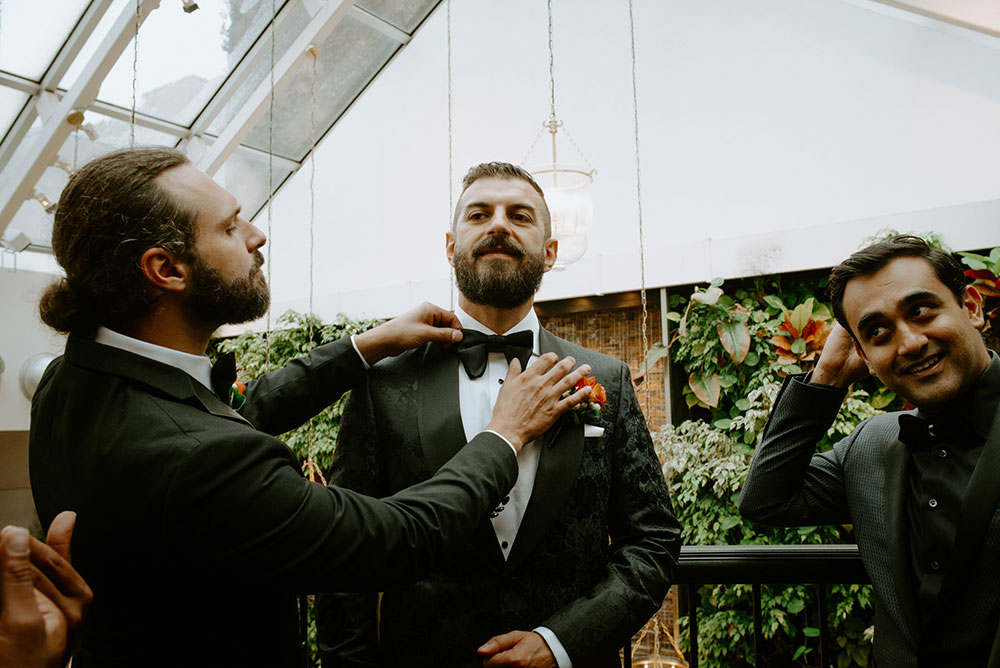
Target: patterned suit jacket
863,481
592,559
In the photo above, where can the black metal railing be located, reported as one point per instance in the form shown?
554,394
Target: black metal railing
820,565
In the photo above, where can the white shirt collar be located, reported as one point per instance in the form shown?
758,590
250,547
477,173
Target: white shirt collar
198,367
530,321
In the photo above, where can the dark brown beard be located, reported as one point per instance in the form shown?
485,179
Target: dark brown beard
216,299
499,284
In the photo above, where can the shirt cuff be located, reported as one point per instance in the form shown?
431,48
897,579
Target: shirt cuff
363,360
558,651
496,433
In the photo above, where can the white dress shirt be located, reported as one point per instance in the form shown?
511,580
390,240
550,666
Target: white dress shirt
198,367
476,400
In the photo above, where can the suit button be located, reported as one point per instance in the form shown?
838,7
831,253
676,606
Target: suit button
942,453
935,566
932,503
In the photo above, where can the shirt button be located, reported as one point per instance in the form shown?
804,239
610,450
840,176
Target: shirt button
500,381
942,453
505,544
932,503
935,566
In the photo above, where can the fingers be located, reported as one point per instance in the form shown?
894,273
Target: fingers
442,318
60,533
56,578
501,643
20,608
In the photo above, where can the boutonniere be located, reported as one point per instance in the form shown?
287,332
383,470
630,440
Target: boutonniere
588,412
236,396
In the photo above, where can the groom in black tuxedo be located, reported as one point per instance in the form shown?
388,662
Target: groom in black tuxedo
195,526
580,553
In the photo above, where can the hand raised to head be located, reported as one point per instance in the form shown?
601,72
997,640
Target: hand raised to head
412,329
531,401
840,365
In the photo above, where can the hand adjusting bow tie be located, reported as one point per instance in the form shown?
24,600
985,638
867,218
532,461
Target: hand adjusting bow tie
475,347
224,375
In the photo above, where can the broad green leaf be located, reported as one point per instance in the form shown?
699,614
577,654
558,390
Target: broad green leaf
674,316
749,436
798,652
775,302
975,261
843,660
796,605
799,317
752,358
729,522
822,312
709,297
743,404
883,398
726,302
810,632
706,389
735,338
727,380
798,346
724,423
717,281
655,354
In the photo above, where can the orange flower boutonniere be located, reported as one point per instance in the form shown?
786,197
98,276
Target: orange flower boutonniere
589,411
236,396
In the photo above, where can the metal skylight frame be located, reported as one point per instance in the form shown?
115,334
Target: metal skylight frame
52,105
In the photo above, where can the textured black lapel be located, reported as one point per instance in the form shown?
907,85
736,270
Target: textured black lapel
978,508
897,460
439,418
558,467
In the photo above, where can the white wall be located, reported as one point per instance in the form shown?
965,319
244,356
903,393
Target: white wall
22,335
775,135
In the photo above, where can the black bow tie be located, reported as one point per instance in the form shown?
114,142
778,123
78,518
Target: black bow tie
475,347
224,375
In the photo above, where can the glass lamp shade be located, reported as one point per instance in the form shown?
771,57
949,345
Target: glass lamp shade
569,194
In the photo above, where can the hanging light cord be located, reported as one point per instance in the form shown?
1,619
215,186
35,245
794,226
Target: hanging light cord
552,69
135,73
451,178
638,194
270,189
313,471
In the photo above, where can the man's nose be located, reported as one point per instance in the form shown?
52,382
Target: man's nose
911,339
499,224
256,238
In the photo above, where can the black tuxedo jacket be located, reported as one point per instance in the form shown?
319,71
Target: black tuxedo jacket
195,526
864,481
593,556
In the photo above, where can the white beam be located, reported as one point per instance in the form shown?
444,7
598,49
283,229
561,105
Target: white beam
381,25
57,70
321,25
21,178
926,16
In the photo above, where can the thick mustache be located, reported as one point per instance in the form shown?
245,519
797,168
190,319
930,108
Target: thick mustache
258,262
493,245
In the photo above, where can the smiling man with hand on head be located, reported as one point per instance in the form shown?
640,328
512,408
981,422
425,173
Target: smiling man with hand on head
919,486
580,553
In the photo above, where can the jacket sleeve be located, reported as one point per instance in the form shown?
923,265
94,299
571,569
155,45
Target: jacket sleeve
347,623
237,503
789,484
645,541
284,399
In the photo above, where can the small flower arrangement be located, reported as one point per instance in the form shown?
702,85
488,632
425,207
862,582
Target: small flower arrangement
236,395
587,412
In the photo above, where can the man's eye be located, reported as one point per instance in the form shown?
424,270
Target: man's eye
922,310
877,332
519,217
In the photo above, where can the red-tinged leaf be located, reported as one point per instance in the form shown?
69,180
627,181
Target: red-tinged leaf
812,330
789,327
801,315
781,343
981,274
987,290
706,389
735,338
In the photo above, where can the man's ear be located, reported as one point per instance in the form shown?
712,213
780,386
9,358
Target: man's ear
449,247
551,252
861,354
164,270
972,302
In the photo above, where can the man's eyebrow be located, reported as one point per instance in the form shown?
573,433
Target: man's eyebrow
235,212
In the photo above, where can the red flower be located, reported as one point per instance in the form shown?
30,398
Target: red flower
597,395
